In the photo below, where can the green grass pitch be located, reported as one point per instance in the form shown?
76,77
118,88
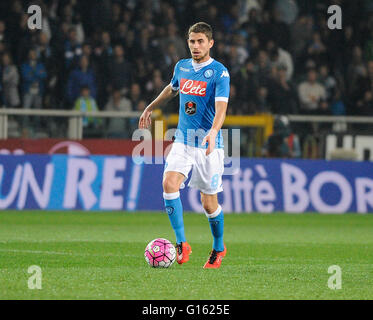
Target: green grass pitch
101,256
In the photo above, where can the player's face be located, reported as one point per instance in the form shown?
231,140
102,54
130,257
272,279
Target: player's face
199,46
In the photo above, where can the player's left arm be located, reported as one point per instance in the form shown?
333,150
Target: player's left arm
221,104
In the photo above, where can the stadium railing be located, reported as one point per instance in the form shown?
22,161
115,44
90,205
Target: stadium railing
75,118
262,121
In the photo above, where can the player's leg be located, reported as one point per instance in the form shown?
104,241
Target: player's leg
215,217
207,177
177,169
171,195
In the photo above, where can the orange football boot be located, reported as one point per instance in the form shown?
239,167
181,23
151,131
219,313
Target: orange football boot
183,250
215,259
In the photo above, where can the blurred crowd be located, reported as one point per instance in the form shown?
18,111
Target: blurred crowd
119,54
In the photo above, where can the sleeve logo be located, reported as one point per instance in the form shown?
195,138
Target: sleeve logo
225,74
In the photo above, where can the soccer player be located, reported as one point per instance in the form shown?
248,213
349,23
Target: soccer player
203,87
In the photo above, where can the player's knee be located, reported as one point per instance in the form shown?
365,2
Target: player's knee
209,205
170,185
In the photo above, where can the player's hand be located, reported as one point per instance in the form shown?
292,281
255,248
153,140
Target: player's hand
210,139
145,119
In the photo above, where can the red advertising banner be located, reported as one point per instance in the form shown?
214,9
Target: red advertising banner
78,147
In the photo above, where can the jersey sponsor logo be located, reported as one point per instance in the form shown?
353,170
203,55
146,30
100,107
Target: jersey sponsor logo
193,87
190,108
225,74
208,73
184,69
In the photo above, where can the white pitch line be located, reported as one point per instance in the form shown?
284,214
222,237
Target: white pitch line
65,253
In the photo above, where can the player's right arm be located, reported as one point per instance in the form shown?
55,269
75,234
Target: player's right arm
166,95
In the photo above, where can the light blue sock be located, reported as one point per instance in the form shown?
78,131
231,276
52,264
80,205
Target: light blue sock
217,228
174,210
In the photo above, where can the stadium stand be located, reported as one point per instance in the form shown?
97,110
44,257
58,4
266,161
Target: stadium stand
282,57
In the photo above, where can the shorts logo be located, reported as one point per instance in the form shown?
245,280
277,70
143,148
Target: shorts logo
190,108
208,73
193,87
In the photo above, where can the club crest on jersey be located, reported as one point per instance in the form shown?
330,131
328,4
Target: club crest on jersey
193,87
190,107
208,73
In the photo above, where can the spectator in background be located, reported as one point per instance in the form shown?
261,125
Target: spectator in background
311,93
146,47
368,48
282,143
73,20
86,103
33,81
27,40
3,36
254,46
317,49
155,86
355,70
44,50
170,56
120,71
118,127
301,32
365,83
262,104
47,19
281,58
82,76
364,107
246,7
338,107
328,81
88,52
220,53
135,95
247,82
139,105
104,50
129,45
119,35
236,106
10,81
235,60
287,11
283,94
263,66
72,48
103,55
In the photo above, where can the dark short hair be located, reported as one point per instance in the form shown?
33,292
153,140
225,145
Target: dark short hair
201,27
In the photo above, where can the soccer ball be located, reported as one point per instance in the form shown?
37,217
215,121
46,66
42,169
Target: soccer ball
160,253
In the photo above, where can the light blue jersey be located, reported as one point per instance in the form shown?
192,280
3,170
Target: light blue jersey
200,85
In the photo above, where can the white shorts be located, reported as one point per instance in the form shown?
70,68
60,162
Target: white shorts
207,170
